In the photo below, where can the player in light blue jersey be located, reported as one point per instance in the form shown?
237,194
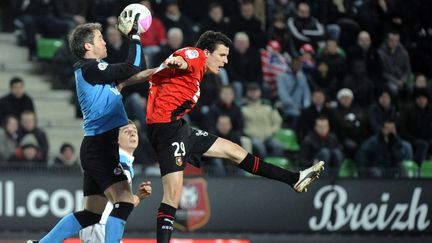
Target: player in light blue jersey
128,142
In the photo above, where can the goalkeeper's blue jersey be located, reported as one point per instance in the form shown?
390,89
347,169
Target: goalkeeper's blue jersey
96,86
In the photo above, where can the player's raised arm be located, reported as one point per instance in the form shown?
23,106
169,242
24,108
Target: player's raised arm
100,72
140,77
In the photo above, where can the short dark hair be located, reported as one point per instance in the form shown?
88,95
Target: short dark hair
215,5
392,32
15,80
302,2
66,146
322,118
210,39
83,33
227,86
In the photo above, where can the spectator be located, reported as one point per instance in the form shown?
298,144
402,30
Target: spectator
323,78
62,68
416,125
322,144
153,38
396,16
28,150
29,126
116,47
286,7
104,11
195,10
307,58
244,64
40,17
16,101
224,129
381,111
248,22
421,82
225,106
230,8
365,52
67,156
350,122
339,19
174,42
396,63
309,115
381,154
360,84
215,20
294,93
278,31
261,122
8,138
73,11
174,18
273,64
209,90
334,56
304,28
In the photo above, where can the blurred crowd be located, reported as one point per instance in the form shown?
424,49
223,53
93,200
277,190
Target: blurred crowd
350,78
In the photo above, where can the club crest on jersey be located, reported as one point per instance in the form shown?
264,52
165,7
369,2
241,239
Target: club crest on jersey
191,54
194,209
102,66
179,161
117,171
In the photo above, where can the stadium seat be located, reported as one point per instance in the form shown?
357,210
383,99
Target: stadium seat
426,169
280,162
409,169
348,169
288,138
47,47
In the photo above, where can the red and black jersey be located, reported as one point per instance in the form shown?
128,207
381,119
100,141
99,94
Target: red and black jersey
174,92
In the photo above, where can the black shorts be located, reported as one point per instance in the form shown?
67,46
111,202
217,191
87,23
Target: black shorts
176,144
100,162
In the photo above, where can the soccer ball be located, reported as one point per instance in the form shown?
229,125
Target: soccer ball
127,17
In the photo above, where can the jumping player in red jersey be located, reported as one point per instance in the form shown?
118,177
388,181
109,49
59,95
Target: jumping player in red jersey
174,91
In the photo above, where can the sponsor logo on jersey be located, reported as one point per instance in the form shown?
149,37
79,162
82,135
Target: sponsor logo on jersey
201,133
191,54
179,161
194,209
102,66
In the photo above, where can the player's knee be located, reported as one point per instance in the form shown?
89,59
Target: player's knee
172,196
122,210
236,153
86,218
121,192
